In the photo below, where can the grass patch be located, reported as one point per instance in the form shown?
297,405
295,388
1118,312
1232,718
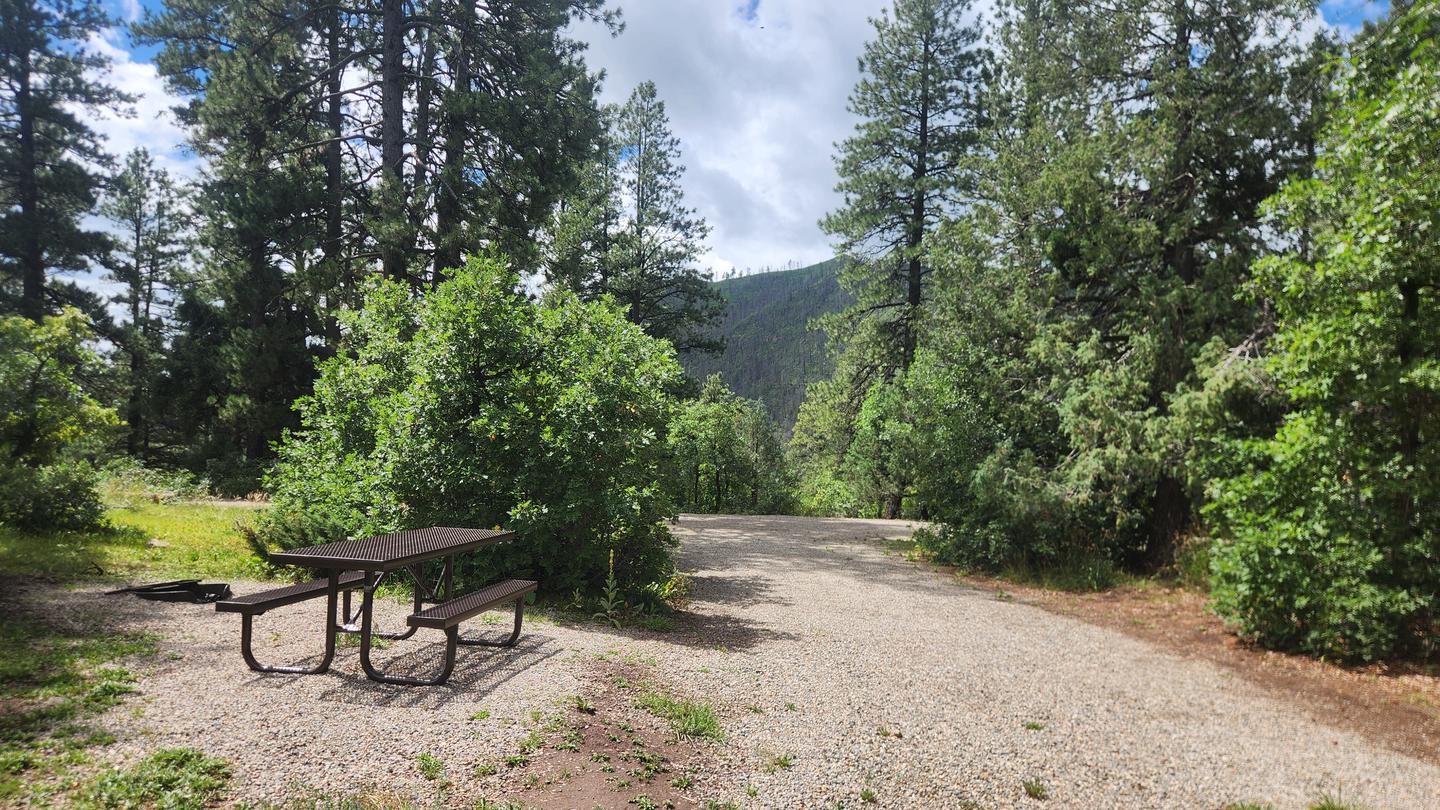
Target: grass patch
1034,726
687,718
868,796
51,681
1035,789
173,778
155,540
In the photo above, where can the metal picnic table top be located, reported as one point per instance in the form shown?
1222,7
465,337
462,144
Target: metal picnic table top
390,552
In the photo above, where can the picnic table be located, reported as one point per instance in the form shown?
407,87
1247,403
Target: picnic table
363,564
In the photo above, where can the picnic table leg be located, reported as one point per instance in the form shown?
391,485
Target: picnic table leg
367,604
509,642
389,636
330,604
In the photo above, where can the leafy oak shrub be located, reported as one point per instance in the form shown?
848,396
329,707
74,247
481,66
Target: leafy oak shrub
474,406
1327,535
50,427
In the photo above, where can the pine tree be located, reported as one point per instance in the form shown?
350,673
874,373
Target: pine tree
904,169
151,219
628,232
50,161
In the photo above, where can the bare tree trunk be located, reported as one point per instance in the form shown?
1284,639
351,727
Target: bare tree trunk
393,252
32,256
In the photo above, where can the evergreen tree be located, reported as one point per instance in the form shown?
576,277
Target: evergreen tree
50,161
628,233
904,169
1121,185
149,212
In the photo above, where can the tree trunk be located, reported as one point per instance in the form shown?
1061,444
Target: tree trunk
334,181
27,192
452,173
393,251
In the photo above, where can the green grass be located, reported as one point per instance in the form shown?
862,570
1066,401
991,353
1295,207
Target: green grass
687,718
153,540
1035,789
780,762
1034,726
868,796
173,778
430,766
51,682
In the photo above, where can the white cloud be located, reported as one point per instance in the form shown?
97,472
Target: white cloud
756,93
151,123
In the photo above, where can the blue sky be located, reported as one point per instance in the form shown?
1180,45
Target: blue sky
755,90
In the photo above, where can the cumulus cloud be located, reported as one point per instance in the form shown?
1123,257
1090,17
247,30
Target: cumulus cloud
756,92
149,123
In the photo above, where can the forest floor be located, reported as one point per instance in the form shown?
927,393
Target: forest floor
814,666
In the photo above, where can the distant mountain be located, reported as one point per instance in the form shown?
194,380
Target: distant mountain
770,353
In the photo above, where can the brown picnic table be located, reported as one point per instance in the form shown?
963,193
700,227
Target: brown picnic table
363,564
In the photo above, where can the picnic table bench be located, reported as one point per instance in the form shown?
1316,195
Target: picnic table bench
362,564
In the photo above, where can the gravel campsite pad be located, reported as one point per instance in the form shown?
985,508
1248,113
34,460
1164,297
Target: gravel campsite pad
840,676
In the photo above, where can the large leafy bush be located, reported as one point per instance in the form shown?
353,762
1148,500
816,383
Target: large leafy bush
50,428
1330,528
474,406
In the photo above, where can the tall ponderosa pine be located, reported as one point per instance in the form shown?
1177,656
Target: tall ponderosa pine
50,161
151,222
904,169
902,173
627,231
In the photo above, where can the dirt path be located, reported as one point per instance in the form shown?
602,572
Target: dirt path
842,676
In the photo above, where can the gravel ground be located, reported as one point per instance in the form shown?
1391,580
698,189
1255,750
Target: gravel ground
812,642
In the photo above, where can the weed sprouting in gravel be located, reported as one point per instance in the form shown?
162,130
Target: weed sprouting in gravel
682,781
430,766
1334,801
580,704
868,796
483,714
1034,726
779,763
1035,789
486,769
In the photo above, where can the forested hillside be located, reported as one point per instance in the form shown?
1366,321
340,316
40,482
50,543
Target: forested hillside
770,353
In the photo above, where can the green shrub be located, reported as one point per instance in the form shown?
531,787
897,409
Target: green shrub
1328,529
475,406
50,426
54,497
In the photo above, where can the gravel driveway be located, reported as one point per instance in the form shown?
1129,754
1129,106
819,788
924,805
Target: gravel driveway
872,676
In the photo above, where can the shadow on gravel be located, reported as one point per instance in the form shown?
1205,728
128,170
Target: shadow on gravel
478,672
